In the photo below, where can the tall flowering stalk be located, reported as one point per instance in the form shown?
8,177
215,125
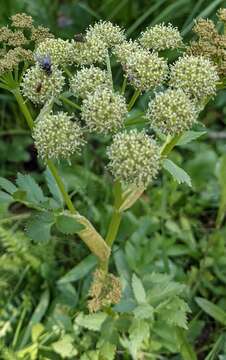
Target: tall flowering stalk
78,73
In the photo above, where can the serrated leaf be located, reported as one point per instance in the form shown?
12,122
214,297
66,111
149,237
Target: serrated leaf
190,136
39,226
91,322
67,224
175,312
65,347
213,310
53,188
7,185
138,290
144,311
138,332
80,270
177,173
29,185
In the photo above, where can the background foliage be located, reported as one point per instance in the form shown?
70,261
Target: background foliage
170,235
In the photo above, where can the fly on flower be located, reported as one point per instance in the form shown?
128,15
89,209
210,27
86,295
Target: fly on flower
45,63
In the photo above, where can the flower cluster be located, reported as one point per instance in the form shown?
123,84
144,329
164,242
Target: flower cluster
92,47
172,112
58,49
86,80
210,43
145,70
39,86
134,158
56,136
161,37
124,50
16,40
196,75
105,291
104,111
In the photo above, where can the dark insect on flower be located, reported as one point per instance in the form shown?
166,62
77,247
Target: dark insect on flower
45,63
39,87
79,38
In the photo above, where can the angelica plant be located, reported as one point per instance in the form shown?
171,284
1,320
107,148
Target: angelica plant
78,73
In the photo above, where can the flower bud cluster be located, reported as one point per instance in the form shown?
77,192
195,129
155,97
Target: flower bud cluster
222,14
39,86
161,37
106,32
124,50
105,290
145,70
195,75
104,111
134,158
22,21
86,80
209,44
172,112
59,51
56,136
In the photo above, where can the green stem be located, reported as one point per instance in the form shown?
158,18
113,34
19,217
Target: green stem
17,332
67,71
61,186
23,107
133,99
69,102
124,86
50,164
169,144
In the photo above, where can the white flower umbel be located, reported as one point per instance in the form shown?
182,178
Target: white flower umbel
134,158
104,111
58,50
161,37
39,86
86,80
56,136
145,70
172,112
195,75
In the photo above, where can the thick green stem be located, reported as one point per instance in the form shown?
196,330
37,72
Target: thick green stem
61,186
51,166
23,108
133,99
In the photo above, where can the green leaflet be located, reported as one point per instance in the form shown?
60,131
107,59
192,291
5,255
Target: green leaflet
177,173
39,226
33,191
213,310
